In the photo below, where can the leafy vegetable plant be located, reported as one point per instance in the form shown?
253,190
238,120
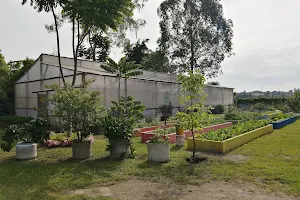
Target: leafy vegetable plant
241,128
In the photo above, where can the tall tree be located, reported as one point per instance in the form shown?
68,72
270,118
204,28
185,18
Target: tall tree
86,16
137,52
157,61
98,47
124,69
195,34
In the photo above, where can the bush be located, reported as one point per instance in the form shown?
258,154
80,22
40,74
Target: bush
78,107
259,107
234,114
39,129
11,119
35,131
294,102
218,109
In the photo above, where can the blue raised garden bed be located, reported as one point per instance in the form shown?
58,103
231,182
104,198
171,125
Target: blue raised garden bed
283,123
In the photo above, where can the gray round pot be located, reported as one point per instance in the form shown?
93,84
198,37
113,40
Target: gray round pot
180,139
81,150
158,152
119,149
25,151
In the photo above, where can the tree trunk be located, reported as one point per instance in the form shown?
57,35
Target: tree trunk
126,95
75,54
119,92
194,142
58,46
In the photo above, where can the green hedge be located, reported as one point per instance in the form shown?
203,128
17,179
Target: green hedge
5,121
270,101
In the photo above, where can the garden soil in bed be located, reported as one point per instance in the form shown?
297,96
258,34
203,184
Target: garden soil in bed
141,190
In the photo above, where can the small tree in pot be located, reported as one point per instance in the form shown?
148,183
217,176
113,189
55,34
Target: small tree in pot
81,109
192,95
119,125
25,137
166,111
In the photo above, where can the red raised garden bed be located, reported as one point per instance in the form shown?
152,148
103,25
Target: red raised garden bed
138,132
207,129
146,135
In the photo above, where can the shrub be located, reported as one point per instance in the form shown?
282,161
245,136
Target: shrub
39,129
11,119
224,134
294,102
166,111
12,135
259,107
159,139
121,120
78,107
218,109
234,114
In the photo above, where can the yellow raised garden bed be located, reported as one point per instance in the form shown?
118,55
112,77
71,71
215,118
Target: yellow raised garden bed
229,144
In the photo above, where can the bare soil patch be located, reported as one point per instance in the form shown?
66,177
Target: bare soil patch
141,190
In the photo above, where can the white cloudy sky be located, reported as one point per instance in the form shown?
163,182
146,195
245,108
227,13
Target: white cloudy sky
266,41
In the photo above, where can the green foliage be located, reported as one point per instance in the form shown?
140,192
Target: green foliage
122,118
279,116
39,129
259,107
62,136
159,139
9,74
11,136
35,131
294,102
218,109
137,52
165,131
99,47
12,119
234,114
224,134
79,108
189,32
124,69
192,93
247,102
157,61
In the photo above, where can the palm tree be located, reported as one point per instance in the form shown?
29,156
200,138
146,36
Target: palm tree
124,69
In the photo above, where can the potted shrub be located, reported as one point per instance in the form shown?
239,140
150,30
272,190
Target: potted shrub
25,137
166,111
81,110
119,125
158,149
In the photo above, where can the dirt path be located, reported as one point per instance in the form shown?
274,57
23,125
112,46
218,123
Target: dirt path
140,190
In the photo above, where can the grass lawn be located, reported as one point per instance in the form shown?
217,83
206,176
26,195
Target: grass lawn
272,161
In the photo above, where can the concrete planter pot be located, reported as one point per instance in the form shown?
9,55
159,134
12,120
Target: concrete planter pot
119,149
180,140
229,144
81,150
158,152
25,151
